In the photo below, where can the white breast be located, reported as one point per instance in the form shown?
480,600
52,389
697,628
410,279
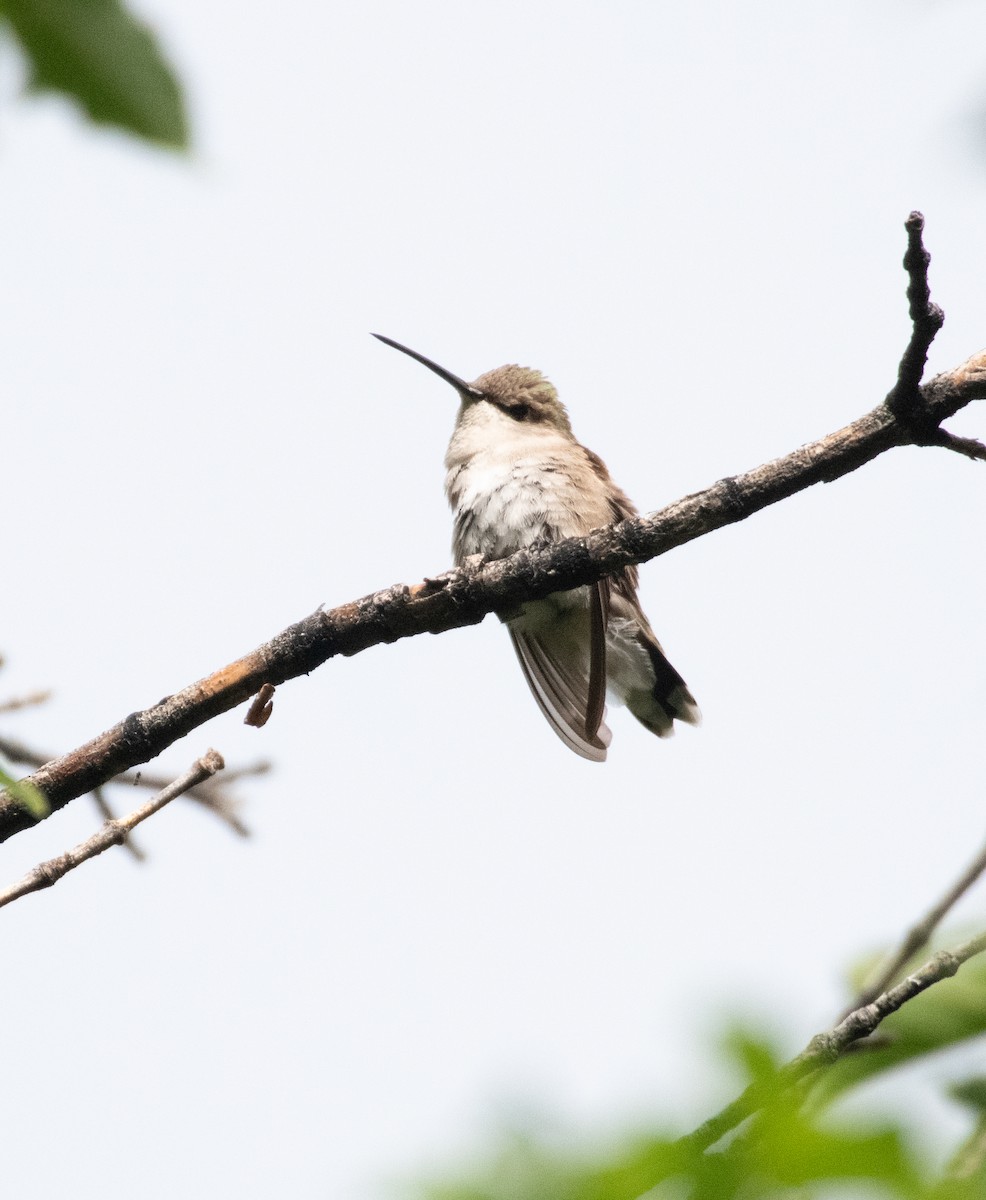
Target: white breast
511,483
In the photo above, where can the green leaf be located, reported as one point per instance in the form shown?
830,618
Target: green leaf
788,1149
24,793
753,1051
96,52
971,1092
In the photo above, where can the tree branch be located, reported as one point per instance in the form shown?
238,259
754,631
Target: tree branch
926,319
825,1048
466,595
213,793
107,813
28,701
113,832
919,935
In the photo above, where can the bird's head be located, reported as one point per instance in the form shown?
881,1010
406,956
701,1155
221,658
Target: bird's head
523,394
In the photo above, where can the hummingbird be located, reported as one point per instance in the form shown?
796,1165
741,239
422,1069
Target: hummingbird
517,478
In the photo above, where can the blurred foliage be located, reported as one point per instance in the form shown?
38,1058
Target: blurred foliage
26,795
100,55
796,1147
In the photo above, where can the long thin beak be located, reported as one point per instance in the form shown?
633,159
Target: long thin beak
460,385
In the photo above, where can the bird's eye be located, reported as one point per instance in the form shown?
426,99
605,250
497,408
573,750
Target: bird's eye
520,412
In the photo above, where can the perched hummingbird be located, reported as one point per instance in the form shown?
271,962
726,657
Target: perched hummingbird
516,478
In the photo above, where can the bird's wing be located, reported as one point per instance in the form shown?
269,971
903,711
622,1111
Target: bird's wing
598,620
668,699
573,704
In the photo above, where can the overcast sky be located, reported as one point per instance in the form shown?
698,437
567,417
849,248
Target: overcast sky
690,217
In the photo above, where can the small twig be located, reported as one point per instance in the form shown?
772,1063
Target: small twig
213,794
109,815
258,714
17,752
918,936
961,445
904,401
28,701
826,1048
113,833
260,767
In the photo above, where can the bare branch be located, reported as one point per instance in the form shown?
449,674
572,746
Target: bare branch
926,319
961,445
28,701
18,752
213,794
113,832
905,399
108,814
466,595
920,934
825,1048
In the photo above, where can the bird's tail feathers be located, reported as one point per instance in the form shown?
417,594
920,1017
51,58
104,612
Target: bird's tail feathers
667,699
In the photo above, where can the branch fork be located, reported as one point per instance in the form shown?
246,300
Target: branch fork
907,400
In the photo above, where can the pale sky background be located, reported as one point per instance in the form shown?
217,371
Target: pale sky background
690,217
